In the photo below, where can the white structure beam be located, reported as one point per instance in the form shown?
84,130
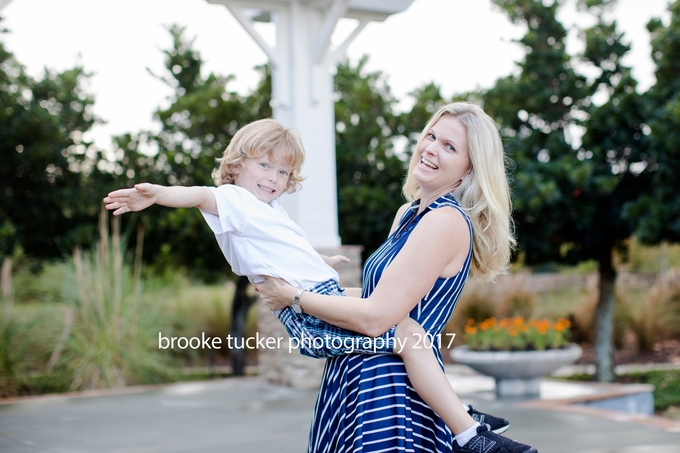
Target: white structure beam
341,50
4,3
247,24
323,40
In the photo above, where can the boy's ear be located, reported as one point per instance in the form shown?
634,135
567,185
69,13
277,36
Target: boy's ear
234,168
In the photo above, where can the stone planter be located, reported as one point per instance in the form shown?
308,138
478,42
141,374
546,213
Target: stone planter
517,372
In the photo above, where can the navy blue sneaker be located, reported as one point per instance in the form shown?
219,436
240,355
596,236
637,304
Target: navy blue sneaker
488,442
498,425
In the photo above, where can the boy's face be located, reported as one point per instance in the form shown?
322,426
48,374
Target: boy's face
263,177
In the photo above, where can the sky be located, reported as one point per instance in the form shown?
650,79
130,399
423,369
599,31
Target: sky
458,44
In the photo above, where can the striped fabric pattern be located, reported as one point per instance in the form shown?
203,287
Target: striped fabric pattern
366,402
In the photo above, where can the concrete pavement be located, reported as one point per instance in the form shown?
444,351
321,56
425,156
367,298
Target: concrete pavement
233,415
242,415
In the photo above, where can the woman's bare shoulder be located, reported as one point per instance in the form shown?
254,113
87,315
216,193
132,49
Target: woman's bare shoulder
445,220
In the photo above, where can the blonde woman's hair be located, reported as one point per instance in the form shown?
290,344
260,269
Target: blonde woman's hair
483,193
259,138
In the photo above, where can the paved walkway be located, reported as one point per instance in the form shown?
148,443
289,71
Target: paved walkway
247,415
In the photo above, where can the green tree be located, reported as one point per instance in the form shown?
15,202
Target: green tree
369,171
44,209
571,192
616,152
656,215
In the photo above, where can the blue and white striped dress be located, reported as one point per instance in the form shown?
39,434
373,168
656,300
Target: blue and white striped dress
366,402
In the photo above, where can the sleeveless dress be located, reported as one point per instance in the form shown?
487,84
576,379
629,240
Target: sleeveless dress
366,402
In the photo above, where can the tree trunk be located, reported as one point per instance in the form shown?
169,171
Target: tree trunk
239,312
604,321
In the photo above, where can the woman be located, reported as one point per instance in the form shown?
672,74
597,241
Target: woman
459,218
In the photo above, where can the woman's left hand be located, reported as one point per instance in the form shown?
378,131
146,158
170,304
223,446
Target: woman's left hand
275,293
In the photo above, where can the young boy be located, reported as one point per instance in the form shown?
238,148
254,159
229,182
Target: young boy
258,239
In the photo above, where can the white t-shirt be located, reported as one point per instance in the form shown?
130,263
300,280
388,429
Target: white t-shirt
259,239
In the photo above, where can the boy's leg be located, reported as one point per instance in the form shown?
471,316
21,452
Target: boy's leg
318,339
427,377
434,388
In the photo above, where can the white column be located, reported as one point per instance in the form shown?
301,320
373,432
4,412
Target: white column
303,99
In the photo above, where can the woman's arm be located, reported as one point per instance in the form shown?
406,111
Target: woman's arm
438,245
352,292
144,195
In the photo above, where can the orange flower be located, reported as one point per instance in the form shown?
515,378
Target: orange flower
470,330
517,333
487,324
562,324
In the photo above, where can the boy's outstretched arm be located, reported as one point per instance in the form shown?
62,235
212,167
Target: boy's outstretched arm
144,195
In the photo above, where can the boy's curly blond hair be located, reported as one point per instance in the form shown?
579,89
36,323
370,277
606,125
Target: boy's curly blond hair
259,138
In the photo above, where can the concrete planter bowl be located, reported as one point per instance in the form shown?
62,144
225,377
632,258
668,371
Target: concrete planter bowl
517,372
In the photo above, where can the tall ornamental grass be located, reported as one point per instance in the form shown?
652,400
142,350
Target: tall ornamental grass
655,316
111,340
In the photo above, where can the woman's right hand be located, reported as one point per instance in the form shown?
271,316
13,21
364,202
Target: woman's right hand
275,293
126,200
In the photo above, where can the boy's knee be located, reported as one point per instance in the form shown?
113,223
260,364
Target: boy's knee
408,328
408,335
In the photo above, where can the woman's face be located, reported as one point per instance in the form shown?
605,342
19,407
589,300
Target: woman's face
443,156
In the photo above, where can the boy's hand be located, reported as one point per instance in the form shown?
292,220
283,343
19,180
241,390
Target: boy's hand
335,260
125,200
